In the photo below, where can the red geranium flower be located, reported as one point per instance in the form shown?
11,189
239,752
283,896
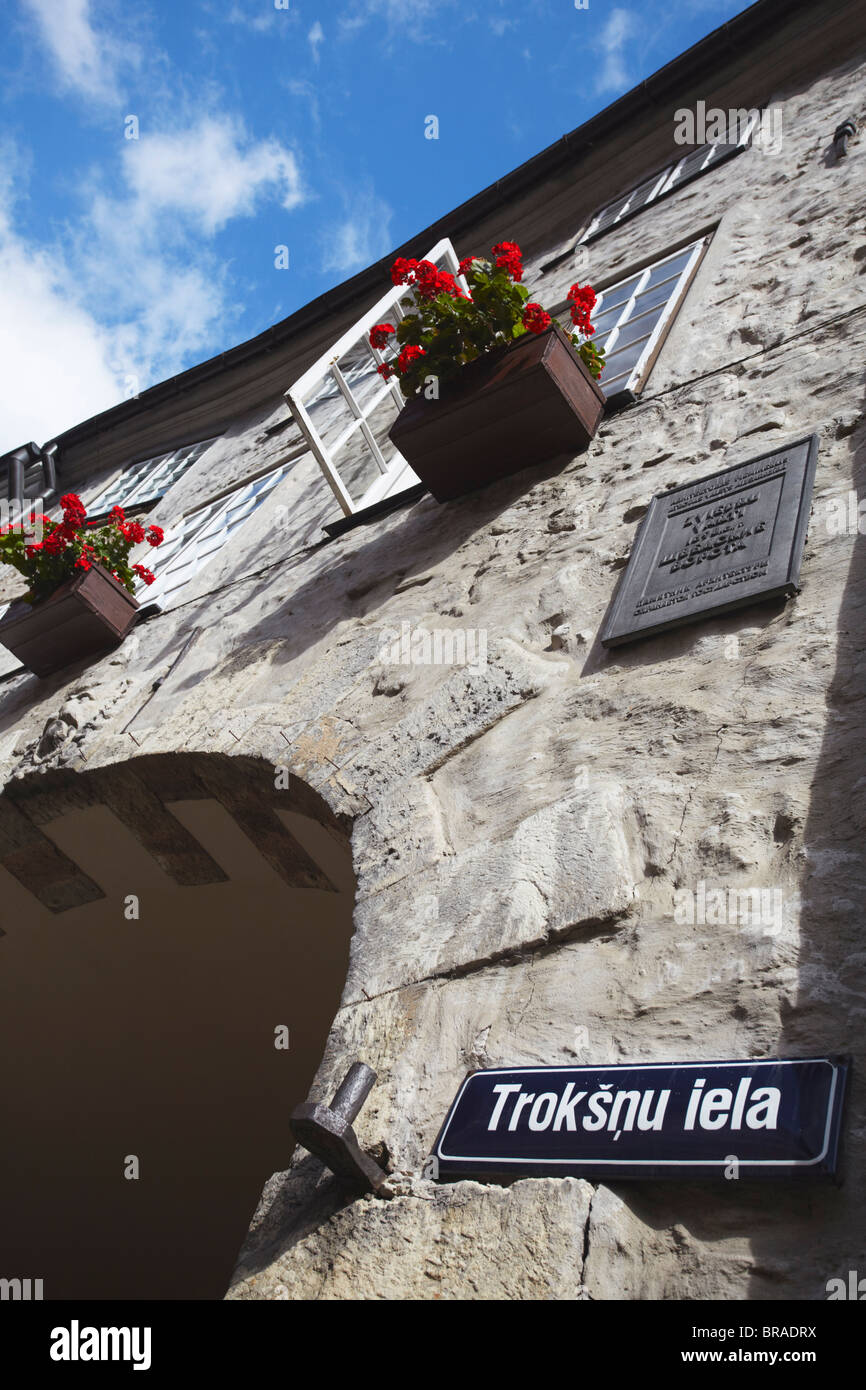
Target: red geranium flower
456,329
428,280
535,318
508,258
408,356
133,531
67,548
582,304
402,271
73,511
380,333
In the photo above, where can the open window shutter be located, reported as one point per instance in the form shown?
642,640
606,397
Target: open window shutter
345,409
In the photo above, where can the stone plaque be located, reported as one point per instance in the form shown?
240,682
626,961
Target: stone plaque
709,546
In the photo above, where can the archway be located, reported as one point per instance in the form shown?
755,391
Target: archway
164,919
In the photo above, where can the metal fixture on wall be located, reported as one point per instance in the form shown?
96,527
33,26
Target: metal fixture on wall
18,460
326,1130
842,134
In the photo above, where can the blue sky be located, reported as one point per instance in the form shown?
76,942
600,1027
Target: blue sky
259,124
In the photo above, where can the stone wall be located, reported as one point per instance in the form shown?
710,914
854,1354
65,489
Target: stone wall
521,825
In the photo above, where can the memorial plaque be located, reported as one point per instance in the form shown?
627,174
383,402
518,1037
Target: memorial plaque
747,1119
709,546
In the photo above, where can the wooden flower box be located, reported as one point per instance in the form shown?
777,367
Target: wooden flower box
510,409
86,616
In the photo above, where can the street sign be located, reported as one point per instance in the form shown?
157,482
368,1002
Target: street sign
687,1120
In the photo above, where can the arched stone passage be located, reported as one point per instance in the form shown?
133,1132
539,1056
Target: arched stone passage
162,919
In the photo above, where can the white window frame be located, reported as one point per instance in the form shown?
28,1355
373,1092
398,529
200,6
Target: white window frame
395,476
185,538
186,535
638,374
148,488
626,200
667,180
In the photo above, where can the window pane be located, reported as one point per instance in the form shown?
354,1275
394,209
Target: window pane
380,423
359,369
148,480
607,319
363,470
634,200
669,269
203,534
619,367
348,467
638,326
326,390
627,321
606,217
656,294
642,194
617,295
601,343
693,163
358,468
331,414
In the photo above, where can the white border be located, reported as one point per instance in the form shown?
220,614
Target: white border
645,1162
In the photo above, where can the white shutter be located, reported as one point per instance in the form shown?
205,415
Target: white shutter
345,408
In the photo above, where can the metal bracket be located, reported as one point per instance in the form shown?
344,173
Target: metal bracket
326,1130
842,134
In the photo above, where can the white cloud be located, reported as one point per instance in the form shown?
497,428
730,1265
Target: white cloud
316,38
404,15
259,16
362,237
210,173
299,87
134,290
54,355
87,59
162,295
620,26
260,20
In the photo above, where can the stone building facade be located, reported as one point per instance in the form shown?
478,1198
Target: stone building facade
437,867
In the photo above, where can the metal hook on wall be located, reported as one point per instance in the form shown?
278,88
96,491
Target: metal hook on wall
326,1130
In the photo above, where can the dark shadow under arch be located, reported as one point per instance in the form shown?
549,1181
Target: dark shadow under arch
154,1035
